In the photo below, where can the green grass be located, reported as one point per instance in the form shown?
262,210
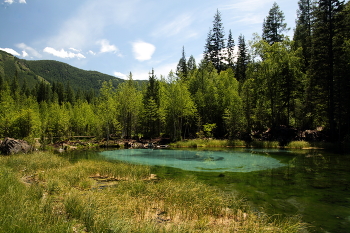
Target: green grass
194,143
298,145
43,192
224,143
264,144
209,143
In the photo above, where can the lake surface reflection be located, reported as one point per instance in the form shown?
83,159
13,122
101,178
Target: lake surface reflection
211,161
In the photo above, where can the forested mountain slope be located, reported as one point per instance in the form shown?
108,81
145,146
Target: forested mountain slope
54,71
11,66
49,71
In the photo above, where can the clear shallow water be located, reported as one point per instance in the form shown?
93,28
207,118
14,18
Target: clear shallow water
211,161
314,184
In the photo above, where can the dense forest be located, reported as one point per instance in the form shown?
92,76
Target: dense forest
236,91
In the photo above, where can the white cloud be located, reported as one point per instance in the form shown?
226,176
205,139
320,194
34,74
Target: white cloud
24,54
143,51
11,51
29,49
106,47
120,75
62,53
12,1
92,52
75,50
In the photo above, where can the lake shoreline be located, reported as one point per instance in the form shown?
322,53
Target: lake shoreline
189,143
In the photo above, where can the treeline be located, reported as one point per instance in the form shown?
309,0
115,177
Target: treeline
163,106
271,81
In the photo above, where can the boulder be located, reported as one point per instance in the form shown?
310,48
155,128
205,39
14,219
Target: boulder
13,146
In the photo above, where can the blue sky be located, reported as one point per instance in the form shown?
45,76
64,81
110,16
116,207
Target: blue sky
117,37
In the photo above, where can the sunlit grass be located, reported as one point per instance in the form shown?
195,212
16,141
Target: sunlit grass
208,143
195,143
43,192
264,144
225,143
298,145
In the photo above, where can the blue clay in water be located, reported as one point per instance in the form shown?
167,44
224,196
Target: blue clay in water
211,161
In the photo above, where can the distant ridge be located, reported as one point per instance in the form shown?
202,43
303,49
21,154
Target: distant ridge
35,71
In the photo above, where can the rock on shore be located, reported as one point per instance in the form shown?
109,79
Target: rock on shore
13,146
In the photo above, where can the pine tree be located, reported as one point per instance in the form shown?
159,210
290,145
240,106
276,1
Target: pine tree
44,92
191,64
274,25
323,65
215,45
230,50
208,47
302,33
58,88
69,94
242,59
181,70
151,102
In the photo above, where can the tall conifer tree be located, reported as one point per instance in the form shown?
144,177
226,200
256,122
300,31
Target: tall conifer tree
151,102
215,45
181,69
242,59
230,50
323,66
274,25
191,64
302,33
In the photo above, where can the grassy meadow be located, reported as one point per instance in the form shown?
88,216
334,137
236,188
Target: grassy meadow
44,192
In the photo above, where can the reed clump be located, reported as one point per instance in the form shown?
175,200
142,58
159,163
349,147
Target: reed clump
43,192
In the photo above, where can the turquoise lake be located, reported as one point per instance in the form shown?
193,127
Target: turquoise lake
312,184
211,161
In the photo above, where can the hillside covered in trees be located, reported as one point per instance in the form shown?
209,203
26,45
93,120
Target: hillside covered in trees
271,81
31,73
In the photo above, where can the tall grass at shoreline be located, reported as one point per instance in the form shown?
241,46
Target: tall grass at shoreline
224,143
208,143
194,143
43,192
